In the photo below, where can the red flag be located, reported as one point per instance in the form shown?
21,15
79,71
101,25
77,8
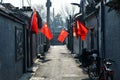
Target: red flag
34,23
46,31
62,36
83,37
82,30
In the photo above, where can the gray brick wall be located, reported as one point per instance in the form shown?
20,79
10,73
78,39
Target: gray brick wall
91,22
112,39
76,47
9,69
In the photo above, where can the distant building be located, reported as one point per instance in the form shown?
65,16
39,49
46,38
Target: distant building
56,26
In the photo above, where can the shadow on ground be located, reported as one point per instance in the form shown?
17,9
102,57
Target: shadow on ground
85,79
45,60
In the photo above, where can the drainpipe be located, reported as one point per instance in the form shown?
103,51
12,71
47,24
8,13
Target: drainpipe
96,15
71,36
103,28
92,38
53,26
67,22
83,19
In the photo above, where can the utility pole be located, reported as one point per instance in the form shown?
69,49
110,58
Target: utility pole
103,28
1,1
48,5
22,3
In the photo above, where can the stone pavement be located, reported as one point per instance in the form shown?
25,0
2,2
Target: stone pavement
58,65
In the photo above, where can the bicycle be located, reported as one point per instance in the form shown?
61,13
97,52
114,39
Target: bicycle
93,71
107,73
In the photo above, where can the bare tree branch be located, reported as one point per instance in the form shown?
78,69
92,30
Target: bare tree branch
66,11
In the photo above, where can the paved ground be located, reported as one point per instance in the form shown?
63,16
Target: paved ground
59,65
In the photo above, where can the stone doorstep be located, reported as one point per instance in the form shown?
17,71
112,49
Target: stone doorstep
37,78
34,68
31,71
26,76
73,77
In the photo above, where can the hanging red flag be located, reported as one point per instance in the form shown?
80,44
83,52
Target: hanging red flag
83,37
82,30
46,31
34,22
63,34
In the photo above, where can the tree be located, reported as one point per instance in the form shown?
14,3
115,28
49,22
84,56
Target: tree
58,20
66,11
42,11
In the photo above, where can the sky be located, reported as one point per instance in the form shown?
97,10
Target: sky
56,4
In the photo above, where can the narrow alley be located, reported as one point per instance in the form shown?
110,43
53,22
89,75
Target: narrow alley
59,65
60,40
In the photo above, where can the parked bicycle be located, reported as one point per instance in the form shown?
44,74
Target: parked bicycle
84,58
107,73
93,70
